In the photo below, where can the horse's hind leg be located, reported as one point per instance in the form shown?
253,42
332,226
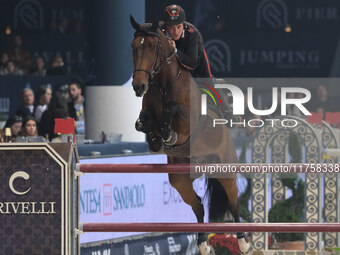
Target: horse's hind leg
230,187
183,184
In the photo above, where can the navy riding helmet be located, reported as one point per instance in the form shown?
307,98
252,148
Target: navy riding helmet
173,15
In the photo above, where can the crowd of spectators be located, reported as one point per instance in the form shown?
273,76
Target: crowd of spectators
18,61
35,116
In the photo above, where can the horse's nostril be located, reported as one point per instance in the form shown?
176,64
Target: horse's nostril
142,87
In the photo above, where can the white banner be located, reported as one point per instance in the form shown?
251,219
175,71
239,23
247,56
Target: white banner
131,197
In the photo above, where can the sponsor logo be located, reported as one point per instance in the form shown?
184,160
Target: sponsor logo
107,199
281,58
173,247
90,202
170,195
102,252
272,13
192,248
219,55
150,250
29,14
128,197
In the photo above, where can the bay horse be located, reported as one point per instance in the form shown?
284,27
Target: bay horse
170,117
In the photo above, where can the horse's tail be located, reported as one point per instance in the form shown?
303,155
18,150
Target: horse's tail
218,201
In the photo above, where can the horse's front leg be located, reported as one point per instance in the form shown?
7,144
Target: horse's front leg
168,135
146,123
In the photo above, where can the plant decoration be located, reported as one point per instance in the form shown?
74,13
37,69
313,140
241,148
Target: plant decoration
224,244
290,210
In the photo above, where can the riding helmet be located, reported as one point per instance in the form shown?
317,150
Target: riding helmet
174,15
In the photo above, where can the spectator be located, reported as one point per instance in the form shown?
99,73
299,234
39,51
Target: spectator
21,56
29,126
78,27
63,26
76,107
3,61
39,68
43,95
57,67
27,107
56,109
12,69
291,108
53,26
14,122
62,90
320,101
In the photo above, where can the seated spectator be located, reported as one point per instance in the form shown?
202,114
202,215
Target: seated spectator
27,107
63,91
39,68
76,108
57,67
3,61
320,101
29,131
14,122
20,55
12,69
29,127
291,109
56,109
43,95
63,26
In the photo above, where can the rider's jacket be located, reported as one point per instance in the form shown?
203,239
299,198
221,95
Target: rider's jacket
191,52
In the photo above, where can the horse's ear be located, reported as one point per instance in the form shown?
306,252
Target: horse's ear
134,23
155,25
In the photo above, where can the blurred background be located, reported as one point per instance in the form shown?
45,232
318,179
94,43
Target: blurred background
56,42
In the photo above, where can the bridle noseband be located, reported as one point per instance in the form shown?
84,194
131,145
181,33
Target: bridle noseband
156,70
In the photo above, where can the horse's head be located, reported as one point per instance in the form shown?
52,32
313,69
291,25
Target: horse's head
145,50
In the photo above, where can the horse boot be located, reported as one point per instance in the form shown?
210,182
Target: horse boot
155,142
145,122
168,135
246,248
139,126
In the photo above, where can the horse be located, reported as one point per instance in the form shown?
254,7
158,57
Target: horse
171,119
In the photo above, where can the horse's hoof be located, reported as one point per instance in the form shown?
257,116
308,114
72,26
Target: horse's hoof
206,249
156,144
249,251
139,125
165,133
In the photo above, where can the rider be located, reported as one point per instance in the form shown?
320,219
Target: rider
188,43
186,40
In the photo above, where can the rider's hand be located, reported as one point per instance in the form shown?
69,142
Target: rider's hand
172,43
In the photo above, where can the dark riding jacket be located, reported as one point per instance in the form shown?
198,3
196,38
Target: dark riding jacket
191,52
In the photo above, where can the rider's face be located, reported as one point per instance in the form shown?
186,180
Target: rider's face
175,31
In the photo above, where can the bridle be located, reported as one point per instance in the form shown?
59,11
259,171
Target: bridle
156,70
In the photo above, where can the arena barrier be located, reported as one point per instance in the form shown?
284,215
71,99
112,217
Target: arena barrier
39,203
322,202
187,168
211,227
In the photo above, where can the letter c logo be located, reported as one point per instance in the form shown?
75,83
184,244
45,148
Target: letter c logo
19,174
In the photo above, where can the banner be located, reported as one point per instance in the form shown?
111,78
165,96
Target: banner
131,197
